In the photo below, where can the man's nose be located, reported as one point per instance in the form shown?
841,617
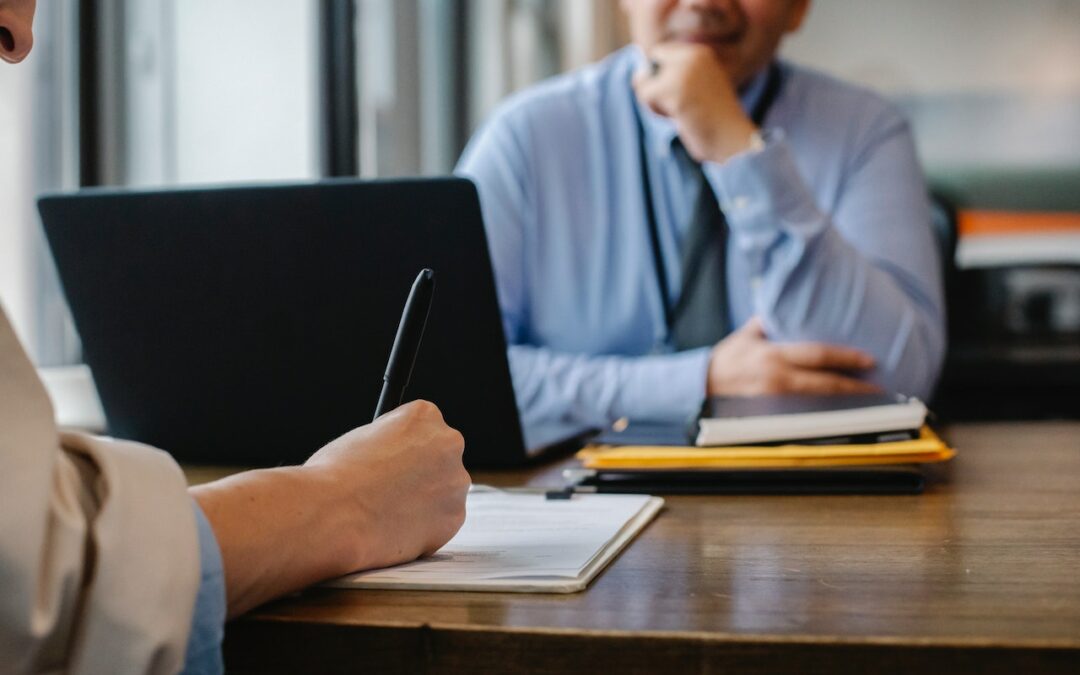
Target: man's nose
16,39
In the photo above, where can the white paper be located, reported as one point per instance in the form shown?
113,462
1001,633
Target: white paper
513,537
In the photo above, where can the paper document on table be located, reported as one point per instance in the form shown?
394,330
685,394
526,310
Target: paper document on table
515,541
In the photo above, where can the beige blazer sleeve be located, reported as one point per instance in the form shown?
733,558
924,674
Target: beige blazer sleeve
99,559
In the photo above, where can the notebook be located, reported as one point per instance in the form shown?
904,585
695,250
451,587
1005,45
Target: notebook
765,419
520,541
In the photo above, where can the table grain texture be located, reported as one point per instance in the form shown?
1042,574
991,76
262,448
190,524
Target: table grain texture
979,574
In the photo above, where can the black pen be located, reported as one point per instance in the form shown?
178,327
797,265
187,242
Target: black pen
407,342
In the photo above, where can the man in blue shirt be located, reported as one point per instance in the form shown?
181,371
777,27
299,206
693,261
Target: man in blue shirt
693,217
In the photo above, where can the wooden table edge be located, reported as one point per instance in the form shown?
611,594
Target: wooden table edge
956,642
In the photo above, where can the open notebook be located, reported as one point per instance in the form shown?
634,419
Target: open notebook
521,541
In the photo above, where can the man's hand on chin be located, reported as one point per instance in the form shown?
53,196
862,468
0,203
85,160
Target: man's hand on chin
746,363
688,83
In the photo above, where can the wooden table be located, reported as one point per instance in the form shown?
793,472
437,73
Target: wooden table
979,574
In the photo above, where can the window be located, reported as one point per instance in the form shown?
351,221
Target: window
166,92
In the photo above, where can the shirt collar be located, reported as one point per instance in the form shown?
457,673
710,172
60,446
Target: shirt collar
660,131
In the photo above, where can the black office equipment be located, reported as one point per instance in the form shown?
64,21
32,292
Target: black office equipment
250,325
1013,309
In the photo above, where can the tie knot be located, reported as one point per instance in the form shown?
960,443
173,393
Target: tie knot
687,164
681,155
678,149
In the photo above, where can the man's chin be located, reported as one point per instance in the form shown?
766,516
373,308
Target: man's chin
727,54
727,51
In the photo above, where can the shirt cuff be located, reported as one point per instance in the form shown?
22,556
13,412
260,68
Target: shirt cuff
665,388
763,194
208,621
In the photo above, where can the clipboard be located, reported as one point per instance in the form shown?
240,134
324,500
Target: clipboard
885,480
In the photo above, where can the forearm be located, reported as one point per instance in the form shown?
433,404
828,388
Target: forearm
596,390
882,296
279,530
833,294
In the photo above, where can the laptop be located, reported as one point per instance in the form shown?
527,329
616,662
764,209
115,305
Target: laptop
251,325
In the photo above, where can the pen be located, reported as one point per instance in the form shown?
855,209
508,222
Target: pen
406,342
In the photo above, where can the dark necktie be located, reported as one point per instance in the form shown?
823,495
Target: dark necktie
700,316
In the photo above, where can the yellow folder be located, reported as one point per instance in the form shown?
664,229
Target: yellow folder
926,449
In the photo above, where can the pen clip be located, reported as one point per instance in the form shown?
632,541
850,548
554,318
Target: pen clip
574,479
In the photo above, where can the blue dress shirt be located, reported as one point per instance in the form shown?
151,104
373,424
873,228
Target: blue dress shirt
830,239
203,655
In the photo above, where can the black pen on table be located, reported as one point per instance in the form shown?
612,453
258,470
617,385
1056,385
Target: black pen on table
407,342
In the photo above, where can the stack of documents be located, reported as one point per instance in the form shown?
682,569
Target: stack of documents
927,448
522,541
853,444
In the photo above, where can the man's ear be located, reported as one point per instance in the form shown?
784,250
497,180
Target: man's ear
796,14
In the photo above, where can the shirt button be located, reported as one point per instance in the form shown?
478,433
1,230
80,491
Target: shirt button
740,202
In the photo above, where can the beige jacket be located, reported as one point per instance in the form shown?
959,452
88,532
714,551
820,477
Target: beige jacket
99,558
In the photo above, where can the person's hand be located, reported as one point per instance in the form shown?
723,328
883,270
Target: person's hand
385,493
746,363
691,87
402,481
